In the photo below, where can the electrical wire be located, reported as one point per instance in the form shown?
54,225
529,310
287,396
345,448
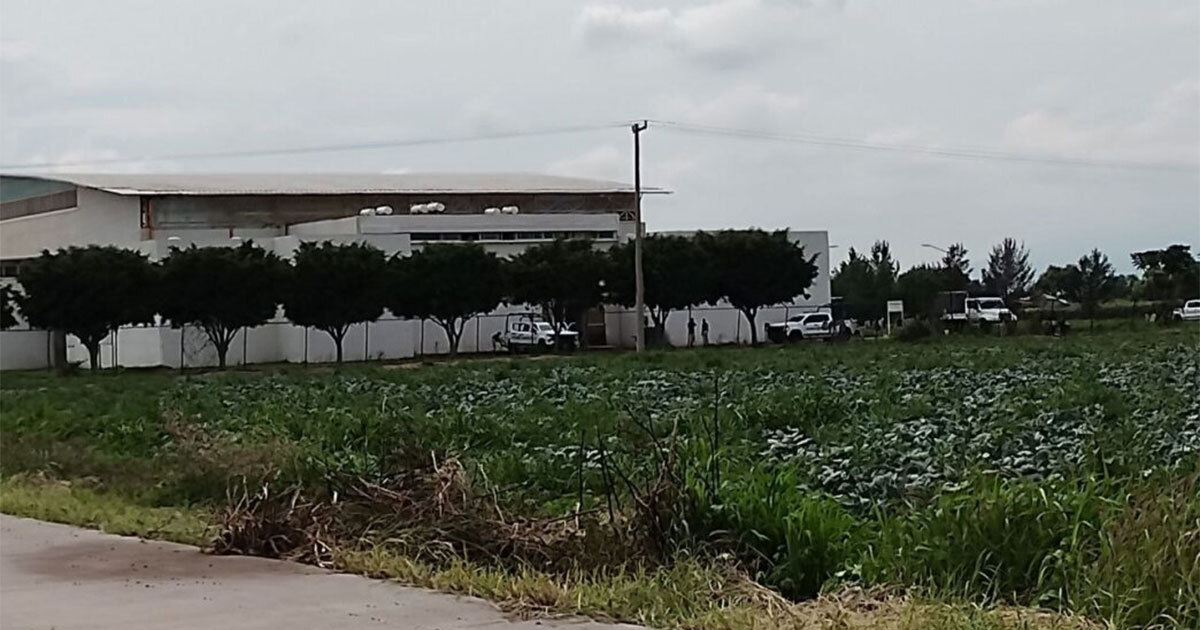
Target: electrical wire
383,144
939,152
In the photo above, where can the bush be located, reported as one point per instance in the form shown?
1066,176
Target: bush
914,330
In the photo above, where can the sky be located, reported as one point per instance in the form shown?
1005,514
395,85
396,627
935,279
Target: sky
1098,81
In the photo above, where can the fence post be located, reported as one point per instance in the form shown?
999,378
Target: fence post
245,333
306,345
182,332
366,342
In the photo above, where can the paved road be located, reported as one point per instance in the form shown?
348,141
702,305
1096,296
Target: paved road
62,577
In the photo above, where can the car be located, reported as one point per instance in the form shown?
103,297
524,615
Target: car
819,325
1189,312
535,335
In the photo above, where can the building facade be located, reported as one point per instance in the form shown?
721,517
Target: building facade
505,213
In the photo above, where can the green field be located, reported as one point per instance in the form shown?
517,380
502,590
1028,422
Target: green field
1037,472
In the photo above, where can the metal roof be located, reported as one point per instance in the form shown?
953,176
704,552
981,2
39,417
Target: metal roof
334,183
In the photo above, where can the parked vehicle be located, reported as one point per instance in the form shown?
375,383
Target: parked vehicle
1190,311
817,325
957,307
530,333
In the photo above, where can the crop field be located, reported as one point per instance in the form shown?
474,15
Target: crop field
1057,474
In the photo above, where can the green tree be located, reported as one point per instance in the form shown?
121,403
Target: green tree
334,286
920,285
958,268
222,290
88,292
1096,283
854,282
562,277
1059,281
1169,274
753,268
1008,273
447,283
885,270
676,272
8,307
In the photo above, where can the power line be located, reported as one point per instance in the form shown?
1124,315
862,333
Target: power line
383,144
941,152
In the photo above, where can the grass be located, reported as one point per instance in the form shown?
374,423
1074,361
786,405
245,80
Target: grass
689,594
987,474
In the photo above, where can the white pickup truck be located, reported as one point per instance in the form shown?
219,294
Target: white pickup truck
534,335
1189,312
819,325
955,306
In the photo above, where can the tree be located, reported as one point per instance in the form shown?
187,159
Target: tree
562,277
854,282
448,283
1008,273
885,270
8,307
676,273
334,286
1168,274
1096,282
956,258
754,268
1058,281
88,292
920,286
958,268
222,290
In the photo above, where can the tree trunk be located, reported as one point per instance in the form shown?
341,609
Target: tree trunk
750,315
93,348
222,349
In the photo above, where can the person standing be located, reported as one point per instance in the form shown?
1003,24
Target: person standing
704,331
691,331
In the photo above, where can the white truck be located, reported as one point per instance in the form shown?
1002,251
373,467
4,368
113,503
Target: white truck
818,325
1189,312
957,307
534,334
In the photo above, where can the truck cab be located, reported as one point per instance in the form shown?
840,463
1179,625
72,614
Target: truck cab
804,326
990,310
530,334
1190,311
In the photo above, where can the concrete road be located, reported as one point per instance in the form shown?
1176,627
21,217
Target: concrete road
62,577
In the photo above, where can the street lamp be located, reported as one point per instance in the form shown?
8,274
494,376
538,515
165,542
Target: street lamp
934,247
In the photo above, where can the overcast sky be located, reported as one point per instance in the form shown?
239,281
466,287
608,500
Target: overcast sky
1091,79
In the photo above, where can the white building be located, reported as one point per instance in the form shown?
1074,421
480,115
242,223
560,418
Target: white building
152,213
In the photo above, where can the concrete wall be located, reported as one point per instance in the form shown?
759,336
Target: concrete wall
101,218
24,349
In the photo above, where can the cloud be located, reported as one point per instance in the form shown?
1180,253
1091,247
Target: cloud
1168,131
745,105
602,162
723,34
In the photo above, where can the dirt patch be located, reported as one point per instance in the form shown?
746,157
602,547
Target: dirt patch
145,562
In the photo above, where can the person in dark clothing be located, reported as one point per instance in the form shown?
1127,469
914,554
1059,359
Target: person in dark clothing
691,332
704,331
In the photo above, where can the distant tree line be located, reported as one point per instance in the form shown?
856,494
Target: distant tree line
91,291
866,282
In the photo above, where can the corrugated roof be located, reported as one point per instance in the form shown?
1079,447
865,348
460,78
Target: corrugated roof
335,183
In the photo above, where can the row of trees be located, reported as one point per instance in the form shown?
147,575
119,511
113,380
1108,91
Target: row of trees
90,291
866,282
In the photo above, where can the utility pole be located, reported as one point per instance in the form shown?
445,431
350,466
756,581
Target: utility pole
638,281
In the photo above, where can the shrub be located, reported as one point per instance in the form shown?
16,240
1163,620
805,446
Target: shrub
913,331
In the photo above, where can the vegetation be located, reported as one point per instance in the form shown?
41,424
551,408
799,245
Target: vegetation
677,275
447,283
1008,273
334,286
222,290
753,269
1027,471
8,307
563,278
88,292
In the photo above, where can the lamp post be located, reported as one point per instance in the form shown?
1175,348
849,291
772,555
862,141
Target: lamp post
935,247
